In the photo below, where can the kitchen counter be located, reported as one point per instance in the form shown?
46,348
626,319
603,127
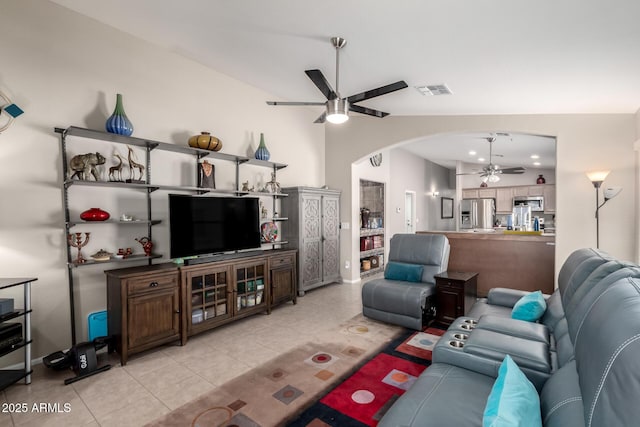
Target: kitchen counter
513,261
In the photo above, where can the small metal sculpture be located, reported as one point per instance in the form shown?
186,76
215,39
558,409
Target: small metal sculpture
245,186
85,165
78,243
272,186
134,165
115,172
147,245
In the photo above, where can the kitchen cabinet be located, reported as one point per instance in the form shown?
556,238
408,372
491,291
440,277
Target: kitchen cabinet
143,306
470,193
314,229
550,199
520,191
487,193
536,190
504,200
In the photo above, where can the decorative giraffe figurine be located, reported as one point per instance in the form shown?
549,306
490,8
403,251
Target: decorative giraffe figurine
115,172
134,165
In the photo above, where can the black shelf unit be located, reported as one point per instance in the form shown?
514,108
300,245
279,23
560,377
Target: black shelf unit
148,187
11,376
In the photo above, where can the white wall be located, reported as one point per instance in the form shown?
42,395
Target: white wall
584,142
64,69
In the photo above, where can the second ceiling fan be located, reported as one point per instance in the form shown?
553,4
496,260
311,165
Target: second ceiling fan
337,108
492,172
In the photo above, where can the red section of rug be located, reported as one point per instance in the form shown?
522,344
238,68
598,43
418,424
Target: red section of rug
366,386
416,351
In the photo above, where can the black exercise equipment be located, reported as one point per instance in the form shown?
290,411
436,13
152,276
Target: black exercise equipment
82,358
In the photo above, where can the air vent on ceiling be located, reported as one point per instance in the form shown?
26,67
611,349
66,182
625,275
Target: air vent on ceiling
433,90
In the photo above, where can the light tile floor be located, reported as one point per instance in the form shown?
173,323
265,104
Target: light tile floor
156,382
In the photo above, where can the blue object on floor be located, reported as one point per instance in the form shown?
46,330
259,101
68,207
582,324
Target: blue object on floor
97,324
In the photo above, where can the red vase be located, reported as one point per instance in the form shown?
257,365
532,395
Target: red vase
94,214
540,180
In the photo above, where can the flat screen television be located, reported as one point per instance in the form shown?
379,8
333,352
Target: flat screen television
201,225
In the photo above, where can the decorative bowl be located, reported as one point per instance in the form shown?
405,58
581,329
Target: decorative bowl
102,255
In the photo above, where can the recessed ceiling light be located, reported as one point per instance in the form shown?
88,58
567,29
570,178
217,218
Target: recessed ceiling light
536,163
535,156
481,159
472,153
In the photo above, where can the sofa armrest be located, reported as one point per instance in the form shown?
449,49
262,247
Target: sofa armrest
504,296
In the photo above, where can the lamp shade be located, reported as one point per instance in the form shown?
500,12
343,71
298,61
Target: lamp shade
597,176
337,110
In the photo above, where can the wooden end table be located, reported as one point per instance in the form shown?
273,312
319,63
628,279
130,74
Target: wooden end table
456,292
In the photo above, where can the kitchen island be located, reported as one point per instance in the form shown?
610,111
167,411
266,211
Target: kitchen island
513,261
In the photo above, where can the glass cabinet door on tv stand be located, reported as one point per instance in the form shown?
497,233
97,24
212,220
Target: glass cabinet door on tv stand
250,287
209,295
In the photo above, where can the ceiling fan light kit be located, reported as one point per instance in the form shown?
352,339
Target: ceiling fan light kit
337,111
337,108
491,173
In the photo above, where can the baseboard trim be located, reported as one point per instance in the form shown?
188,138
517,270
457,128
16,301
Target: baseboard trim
351,281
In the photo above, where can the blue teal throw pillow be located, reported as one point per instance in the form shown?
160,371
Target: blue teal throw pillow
530,307
403,271
513,401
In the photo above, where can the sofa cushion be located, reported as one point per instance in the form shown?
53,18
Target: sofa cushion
403,271
530,307
513,400
443,395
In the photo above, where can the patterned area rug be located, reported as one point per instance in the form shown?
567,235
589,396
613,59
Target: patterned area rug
276,392
364,397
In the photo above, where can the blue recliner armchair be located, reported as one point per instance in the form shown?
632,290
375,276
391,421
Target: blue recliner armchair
405,303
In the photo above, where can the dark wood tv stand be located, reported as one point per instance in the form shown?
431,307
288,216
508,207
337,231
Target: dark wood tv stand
152,305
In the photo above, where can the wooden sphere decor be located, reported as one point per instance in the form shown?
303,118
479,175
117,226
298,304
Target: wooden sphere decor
205,141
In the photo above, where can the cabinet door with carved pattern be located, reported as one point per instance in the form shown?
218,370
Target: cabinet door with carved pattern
311,251
331,238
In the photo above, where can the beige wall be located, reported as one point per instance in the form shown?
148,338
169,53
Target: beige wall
64,69
584,142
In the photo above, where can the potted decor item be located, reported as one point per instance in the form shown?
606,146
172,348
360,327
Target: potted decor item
118,122
205,141
262,153
94,214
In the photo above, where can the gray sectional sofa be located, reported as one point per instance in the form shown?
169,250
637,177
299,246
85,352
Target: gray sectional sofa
405,303
583,356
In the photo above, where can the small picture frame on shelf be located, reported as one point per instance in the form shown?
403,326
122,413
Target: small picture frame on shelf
206,175
446,205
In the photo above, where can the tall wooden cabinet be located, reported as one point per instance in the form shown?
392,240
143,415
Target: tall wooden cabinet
314,230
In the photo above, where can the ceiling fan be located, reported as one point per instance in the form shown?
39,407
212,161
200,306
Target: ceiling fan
492,172
337,108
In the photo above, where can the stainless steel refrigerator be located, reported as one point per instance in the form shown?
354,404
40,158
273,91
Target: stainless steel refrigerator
477,213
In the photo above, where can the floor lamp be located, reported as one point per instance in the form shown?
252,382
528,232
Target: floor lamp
597,178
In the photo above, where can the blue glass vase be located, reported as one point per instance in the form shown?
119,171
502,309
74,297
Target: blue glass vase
262,153
119,123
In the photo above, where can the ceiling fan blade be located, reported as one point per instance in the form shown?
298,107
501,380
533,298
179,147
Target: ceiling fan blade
322,118
377,92
368,111
295,103
512,170
470,173
318,79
